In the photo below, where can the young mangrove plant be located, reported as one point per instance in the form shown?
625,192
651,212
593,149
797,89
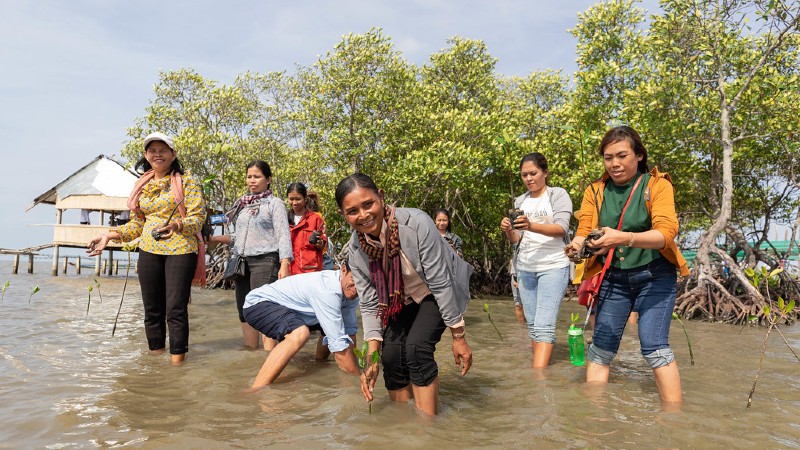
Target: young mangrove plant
35,290
128,247
363,357
89,288
688,341
5,286
772,313
99,294
489,313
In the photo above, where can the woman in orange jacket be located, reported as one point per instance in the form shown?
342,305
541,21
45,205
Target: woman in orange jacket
642,276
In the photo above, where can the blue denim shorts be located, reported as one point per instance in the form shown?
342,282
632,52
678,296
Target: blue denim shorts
649,290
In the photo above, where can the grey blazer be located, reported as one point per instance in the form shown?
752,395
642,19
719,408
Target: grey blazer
438,265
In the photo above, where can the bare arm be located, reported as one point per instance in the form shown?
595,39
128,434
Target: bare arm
346,360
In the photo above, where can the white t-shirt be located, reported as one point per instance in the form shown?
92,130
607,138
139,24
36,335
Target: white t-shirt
538,252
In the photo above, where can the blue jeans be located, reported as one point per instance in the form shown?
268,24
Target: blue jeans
649,290
541,294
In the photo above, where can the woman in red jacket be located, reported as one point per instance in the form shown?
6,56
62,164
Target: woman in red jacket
307,229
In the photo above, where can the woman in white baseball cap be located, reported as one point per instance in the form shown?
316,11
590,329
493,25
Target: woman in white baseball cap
168,211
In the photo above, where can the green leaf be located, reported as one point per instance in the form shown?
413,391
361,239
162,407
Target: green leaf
486,307
766,310
376,356
775,272
749,272
781,304
790,307
674,316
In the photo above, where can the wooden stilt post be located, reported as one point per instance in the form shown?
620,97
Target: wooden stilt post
78,265
116,266
15,267
30,262
66,263
54,271
111,265
97,265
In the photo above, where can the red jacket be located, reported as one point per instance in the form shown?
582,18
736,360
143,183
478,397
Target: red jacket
307,258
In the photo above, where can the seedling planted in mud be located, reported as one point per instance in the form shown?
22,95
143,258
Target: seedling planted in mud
89,288
100,294
128,248
5,286
772,315
363,356
35,290
488,313
688,341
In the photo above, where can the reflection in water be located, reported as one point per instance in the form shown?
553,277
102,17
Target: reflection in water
66,383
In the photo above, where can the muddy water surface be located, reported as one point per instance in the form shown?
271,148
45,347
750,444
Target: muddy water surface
66,383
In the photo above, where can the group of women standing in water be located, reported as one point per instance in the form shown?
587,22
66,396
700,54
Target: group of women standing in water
408,269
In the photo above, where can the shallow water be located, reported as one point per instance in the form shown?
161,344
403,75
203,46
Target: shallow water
65,382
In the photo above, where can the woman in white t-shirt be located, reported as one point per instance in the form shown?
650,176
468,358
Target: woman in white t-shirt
542,268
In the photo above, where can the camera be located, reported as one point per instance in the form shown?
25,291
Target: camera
314,238
157,235
586,250
513,214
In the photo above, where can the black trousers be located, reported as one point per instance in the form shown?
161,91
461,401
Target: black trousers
409,343
166,282
259,270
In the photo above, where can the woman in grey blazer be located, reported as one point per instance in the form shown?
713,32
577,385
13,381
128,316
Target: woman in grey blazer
412,286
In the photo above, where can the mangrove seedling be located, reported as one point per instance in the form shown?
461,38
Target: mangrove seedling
128,247
773,315
100,294
489,313
35,290
89,288
574,319
362,356
688,341
5,286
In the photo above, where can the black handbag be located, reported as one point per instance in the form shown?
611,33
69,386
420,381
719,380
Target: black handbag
235,268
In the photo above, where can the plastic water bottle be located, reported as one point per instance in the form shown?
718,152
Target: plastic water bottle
577,352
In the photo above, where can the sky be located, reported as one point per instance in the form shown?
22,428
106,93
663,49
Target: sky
75,74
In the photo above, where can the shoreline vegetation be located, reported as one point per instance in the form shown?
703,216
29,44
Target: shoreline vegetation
713,89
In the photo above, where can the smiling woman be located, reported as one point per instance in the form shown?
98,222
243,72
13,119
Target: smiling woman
171,253
412,286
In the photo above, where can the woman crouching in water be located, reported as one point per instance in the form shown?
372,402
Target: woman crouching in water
412,286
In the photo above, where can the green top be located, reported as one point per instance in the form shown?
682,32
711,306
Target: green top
636,220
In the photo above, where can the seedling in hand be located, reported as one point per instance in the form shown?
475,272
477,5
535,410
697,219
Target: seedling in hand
362,355
488,313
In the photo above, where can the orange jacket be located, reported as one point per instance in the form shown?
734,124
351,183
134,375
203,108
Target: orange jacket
660,201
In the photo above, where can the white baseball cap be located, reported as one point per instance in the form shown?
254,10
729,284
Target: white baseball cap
158,136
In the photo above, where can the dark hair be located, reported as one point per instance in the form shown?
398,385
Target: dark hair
626,133
262,166
351,183
143,165
446,213
312,200
537,159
